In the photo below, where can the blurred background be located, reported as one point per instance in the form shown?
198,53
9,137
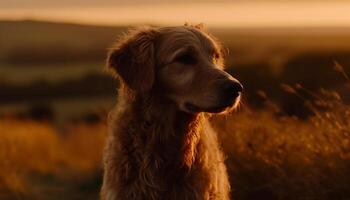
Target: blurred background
293,58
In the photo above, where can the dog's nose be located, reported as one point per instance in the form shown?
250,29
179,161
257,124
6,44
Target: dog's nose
232,89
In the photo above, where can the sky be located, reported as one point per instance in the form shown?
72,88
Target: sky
221,13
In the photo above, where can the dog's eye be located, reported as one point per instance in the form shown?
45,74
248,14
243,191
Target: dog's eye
187,59
216,56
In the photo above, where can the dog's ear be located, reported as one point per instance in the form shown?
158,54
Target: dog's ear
132,59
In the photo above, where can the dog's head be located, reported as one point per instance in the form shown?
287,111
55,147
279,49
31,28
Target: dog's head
183,64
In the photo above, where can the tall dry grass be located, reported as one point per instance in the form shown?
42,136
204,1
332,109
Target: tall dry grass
269,155
275,156
29,148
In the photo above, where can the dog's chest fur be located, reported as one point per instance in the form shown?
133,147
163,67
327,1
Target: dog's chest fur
156,152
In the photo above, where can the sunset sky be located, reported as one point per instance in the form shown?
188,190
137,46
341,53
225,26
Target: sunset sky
248,13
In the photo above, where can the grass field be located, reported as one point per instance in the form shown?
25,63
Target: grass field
51,73
39,162
269,155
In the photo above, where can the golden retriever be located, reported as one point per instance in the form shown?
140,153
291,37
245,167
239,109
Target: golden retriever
161,145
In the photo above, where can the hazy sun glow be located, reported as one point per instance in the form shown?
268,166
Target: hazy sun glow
238,14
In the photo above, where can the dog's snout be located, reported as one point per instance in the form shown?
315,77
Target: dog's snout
232,89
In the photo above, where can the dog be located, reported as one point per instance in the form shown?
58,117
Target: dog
161,145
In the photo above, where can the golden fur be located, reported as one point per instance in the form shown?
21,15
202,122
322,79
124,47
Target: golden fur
161,145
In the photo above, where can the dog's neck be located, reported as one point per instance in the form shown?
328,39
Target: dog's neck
167,131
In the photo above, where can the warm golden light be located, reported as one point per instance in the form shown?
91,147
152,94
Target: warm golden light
288,138
238,14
